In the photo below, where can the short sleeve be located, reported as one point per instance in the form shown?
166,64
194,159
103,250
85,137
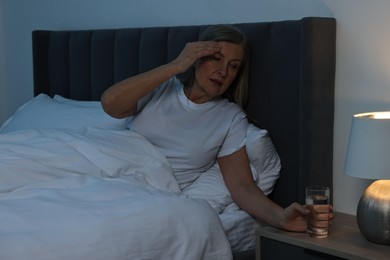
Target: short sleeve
158,91
236,135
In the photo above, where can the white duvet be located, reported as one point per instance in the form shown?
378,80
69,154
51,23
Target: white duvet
98,194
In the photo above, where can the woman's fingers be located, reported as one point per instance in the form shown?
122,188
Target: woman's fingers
195,50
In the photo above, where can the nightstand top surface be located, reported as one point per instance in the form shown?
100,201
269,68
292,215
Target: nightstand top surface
345,240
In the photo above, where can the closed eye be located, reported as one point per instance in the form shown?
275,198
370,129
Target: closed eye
235,65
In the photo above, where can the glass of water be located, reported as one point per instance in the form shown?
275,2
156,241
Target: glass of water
317,201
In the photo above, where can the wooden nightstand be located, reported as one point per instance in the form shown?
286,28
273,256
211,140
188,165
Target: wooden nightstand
344,242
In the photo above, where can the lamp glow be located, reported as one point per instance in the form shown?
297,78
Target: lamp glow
375,115
368,157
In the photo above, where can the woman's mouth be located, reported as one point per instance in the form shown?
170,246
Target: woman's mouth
217,82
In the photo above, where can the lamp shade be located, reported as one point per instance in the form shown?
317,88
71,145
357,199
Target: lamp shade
368,154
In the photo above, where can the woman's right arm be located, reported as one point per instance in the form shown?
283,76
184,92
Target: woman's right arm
120,100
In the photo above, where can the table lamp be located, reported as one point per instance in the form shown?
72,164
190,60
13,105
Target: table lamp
368,157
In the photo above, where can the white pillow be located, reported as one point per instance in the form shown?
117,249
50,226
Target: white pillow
95,104
43,112
263,157
62,99
265,165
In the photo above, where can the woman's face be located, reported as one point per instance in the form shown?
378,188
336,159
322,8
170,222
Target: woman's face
215,73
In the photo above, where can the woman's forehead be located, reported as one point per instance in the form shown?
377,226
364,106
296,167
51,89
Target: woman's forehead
232,51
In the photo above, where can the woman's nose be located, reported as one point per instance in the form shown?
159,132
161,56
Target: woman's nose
223,70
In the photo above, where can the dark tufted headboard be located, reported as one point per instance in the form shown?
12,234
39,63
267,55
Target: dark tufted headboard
291,82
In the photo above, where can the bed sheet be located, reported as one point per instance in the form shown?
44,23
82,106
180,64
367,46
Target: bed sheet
240,229
94,195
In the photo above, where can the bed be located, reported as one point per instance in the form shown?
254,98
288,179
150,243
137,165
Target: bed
77,184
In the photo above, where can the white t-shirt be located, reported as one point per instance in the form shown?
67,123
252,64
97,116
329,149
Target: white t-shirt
190,135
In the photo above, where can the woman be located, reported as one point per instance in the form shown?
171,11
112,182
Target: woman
201,121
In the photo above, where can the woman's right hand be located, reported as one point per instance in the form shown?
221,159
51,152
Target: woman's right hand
193,51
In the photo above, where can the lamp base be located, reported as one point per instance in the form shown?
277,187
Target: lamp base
373,212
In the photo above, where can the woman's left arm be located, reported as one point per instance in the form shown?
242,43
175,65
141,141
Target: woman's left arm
249,197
